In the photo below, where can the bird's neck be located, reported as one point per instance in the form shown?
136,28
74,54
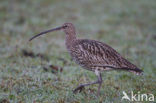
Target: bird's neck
70,38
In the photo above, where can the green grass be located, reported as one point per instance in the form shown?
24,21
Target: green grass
129,26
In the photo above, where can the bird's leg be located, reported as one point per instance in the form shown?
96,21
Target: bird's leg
81,86
99,81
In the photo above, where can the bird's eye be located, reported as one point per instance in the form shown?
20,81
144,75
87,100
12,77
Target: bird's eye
65,26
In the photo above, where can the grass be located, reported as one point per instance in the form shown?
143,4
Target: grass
126,25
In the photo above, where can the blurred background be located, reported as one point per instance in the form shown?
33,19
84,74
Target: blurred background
42,70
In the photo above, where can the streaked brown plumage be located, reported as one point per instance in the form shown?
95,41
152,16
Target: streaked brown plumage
93,55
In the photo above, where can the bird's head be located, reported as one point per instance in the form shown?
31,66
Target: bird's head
68,28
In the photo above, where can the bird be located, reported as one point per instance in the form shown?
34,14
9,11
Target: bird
92,55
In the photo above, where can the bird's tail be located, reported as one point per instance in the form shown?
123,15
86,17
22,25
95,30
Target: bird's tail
137,71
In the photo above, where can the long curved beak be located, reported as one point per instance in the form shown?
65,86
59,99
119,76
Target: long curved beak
47,31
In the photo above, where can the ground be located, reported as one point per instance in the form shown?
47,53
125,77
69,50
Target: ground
42,71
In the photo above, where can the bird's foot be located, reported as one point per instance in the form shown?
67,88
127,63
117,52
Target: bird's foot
79,88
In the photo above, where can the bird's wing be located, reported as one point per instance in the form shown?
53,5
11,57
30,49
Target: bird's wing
95,53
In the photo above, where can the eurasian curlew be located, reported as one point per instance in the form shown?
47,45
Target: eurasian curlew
93,55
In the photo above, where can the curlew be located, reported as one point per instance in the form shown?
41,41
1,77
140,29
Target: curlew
93,55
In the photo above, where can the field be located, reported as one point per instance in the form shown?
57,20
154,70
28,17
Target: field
42,71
